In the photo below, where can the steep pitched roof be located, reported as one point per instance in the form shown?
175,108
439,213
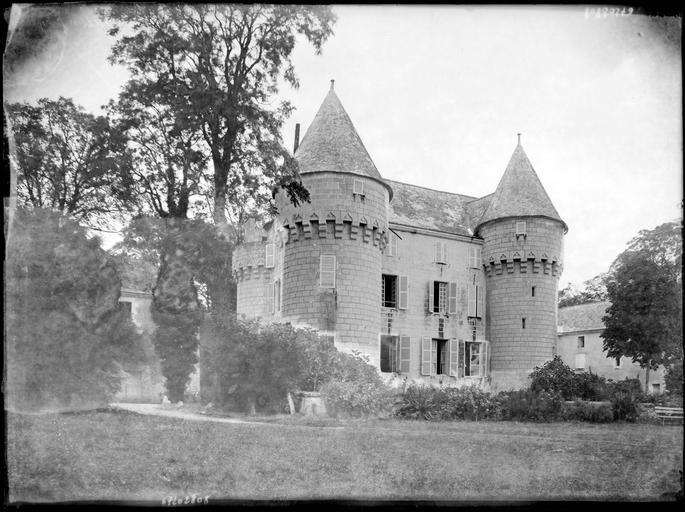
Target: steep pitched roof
520,193
430,209
332,143
584,317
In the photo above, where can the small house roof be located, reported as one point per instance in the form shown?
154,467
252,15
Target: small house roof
583,317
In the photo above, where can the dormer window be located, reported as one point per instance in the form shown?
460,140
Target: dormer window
521,229
358,188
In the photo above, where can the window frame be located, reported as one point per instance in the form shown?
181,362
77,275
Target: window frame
358,187
394,279
270,255
580,342
393,356
332,262
475,256
521,228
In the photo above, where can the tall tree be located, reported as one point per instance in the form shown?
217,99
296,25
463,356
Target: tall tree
169,169
224,64
69,161
644,285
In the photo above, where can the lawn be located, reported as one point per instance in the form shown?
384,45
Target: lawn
124,456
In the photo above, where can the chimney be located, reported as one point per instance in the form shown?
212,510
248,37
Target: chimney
297,138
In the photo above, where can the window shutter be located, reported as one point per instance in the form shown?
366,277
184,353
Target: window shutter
431,285
269,256
405,354
452,299
358,187
438,252
327,271
277,295
484,364
481,302
520,228
444,252
472,300
393,245
462,359
404,293
454,357
426,355
269,297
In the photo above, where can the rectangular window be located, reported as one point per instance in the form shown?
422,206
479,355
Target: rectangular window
358,187
532,291
656,389
327,271
269,257
472,360
521,228
523,323
392,244
476,301
403,293
580,361
581,341
441,252
438,297
277,295
389,353
388,291
441,328
474,256
126,307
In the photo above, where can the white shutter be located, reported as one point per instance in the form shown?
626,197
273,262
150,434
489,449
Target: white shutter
444,252
327,271
277,295
480,291
426,355
438,252
454,358
462,359
403,293
452,299
471,300
358,187
431,285
269,297
269,256
392,250
393,355
521,228
485,364
580,361
405,354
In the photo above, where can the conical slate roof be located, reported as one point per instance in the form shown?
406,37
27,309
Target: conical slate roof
332,143
520,193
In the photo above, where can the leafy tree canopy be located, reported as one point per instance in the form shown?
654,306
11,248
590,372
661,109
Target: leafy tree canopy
69,160
66,334
593,290
644,285
219,67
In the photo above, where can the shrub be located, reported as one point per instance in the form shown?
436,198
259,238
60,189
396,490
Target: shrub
587,411
555,376
417,402
467,403
356,399
529,405
590,386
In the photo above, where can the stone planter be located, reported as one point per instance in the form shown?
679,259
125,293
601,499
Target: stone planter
312,404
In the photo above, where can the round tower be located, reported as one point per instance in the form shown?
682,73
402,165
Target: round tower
522,257
332,250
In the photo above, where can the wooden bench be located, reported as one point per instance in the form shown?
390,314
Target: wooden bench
669,413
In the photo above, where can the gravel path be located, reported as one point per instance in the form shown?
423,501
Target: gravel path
169,412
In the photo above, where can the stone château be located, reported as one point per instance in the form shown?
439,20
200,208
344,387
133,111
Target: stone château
430,285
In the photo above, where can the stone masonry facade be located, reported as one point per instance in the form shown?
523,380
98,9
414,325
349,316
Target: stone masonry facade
430,285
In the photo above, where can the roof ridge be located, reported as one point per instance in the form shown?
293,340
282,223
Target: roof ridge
432,189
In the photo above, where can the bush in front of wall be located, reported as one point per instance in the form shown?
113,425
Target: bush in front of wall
356,399
592,412
529,405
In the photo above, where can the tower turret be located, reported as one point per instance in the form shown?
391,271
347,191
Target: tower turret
332,248
522,255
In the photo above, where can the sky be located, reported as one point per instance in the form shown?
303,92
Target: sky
438,94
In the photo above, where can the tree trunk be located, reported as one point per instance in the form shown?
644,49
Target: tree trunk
291,403
647,379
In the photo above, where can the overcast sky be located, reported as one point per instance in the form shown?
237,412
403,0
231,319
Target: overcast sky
438,94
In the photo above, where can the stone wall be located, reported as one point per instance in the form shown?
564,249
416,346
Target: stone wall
513,266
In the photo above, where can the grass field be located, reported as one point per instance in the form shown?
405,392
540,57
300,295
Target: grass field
124,456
